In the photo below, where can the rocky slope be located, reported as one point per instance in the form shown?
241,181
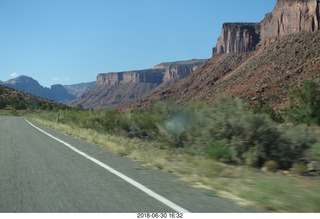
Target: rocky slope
11,99
288,53
117,88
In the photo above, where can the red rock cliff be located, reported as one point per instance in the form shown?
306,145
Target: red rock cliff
237,38
290,16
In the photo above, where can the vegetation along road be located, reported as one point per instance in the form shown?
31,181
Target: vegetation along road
42,170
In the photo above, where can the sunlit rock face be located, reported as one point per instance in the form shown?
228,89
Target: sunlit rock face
288,17
115,88
237,38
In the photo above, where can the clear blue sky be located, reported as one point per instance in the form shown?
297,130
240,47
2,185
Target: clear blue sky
71,41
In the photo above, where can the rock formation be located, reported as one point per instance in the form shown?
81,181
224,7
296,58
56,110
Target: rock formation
288,17
237,38
144,76
117,88
263,78
288,54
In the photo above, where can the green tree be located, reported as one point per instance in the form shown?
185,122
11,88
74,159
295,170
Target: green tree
307,104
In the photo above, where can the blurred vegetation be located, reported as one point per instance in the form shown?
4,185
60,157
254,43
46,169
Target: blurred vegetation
201,140
305,107
225,130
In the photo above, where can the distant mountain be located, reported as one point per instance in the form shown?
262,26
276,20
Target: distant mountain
79,89
113,89
27,84
11,99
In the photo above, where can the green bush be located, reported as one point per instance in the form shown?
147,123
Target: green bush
275,116
224,130
3,103
254,138
220,151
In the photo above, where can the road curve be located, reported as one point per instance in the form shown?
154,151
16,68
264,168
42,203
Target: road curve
39,172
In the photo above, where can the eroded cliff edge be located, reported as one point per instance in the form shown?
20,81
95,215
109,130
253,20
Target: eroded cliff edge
238,38
117,88
288,17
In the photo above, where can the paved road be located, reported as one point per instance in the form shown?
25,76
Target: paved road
41,174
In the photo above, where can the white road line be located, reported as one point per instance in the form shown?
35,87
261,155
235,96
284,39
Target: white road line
151,193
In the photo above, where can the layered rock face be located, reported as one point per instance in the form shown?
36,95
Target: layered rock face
238,38
264,78
78,89
288,17
146,76
113,89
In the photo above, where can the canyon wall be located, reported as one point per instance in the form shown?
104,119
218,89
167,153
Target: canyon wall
288,17
147,76
117,88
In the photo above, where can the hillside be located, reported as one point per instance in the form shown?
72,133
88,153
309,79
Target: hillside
263,72
11,99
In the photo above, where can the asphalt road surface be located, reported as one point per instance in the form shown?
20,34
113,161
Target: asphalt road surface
43,170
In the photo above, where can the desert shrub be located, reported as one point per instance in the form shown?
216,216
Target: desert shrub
144,123
299,168
275,116
254,138
226,129
19,105
219,150
114,121
314,152
173,131
70,117
271,165
299,140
